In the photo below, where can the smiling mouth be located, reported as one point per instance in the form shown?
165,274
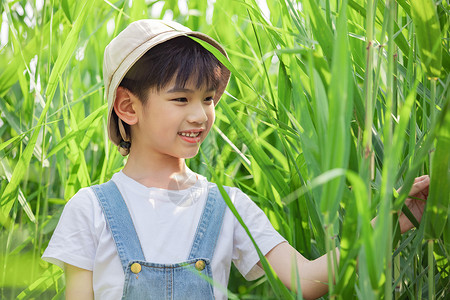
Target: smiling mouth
190,134
191,137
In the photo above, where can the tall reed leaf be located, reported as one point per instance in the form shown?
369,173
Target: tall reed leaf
340,107
321,29
428,34
438,203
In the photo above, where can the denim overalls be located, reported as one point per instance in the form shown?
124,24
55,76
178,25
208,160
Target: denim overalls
144,280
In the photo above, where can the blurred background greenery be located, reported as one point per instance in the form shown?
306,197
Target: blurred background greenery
332,105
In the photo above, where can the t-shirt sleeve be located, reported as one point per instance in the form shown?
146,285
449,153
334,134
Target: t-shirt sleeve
245,257
74,240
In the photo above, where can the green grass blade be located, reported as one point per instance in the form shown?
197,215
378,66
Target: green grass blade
320,27
428,33
439,192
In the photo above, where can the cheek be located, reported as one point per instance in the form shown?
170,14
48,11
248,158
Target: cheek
211,114
211,118
158,116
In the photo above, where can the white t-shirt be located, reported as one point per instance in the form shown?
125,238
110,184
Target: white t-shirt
165,222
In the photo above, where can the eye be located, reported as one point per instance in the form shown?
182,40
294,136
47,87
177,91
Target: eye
181,100
209,99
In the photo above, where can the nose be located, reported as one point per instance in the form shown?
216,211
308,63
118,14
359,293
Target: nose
198,113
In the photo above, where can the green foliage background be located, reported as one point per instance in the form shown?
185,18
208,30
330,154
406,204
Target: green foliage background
332,106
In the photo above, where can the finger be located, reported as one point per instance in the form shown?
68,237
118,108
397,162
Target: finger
423,177
419,186
416,180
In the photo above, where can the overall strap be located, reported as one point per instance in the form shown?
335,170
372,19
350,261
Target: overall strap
209,225
119,222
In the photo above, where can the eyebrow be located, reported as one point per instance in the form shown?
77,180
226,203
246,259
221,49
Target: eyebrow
178,89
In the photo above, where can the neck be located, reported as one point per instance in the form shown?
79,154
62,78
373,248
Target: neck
162,172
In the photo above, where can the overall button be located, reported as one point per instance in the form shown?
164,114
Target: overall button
136,268
200,265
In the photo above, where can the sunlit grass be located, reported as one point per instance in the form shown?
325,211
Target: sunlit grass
334,104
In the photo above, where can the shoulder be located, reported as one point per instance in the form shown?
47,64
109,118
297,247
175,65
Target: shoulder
238,196
241,201
244,205
84,198
82,210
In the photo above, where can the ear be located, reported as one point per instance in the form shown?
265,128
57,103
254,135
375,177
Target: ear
125,106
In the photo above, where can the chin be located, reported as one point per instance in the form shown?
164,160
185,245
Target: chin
191,154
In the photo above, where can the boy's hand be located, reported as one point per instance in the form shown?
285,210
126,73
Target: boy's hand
419,192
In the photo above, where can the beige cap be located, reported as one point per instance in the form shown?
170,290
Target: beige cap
131,44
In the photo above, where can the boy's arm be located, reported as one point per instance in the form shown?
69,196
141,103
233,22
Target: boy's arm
78,283
314,273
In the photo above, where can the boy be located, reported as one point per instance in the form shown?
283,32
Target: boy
157,229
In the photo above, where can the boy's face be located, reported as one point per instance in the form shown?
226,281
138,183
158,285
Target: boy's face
174,121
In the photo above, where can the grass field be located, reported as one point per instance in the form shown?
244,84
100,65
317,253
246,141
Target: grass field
332,105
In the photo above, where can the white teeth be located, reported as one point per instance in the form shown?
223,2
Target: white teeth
191,134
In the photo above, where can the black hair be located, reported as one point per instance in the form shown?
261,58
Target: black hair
180,56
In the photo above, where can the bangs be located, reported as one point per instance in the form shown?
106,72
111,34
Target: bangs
181,58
